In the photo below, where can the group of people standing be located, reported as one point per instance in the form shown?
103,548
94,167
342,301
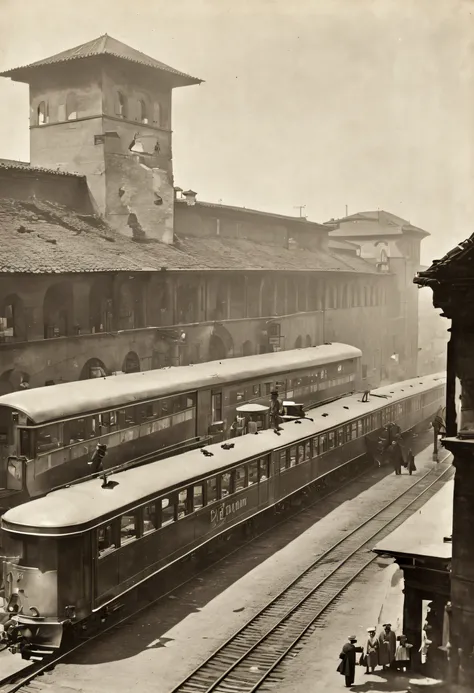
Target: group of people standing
381,650
396,457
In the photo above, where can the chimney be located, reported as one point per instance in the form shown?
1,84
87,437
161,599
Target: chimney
190,197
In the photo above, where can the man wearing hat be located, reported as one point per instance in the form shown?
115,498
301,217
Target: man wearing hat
347,664
275,410
387,646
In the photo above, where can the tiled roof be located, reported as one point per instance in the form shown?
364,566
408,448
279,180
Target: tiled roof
247,210
360,224
23,165
455,266
104,45
42,237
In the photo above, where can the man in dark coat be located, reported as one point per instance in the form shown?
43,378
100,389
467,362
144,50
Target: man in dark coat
348,660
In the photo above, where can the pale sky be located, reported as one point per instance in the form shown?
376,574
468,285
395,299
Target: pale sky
327,103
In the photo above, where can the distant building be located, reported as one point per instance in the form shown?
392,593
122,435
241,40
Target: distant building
392,245
106,266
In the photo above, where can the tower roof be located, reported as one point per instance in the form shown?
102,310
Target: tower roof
102,46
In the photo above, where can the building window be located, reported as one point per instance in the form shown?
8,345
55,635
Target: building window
142,112
121,105
42,112
71,107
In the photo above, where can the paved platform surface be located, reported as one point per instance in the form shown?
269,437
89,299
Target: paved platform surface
157,651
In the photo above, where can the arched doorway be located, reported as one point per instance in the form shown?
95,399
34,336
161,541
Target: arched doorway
298,342
13,380
93,368
308,341
247,348
131,363
101,305
12,319
58,310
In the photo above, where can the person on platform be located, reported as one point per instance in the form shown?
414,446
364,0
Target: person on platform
387,646
395,458
402,654
411,462
252,426
347,664
371,651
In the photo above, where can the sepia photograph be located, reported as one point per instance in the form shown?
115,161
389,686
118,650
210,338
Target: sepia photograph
219,221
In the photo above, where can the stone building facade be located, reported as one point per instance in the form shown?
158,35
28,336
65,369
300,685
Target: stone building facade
452,282
106,265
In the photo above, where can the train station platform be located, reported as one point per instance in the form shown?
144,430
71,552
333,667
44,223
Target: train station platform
165,644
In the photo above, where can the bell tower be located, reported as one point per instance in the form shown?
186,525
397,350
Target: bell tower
103,110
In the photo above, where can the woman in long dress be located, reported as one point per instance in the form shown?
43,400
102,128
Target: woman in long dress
371,651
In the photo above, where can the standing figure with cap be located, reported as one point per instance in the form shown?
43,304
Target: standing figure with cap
347,664
402,655
275,410
387,646
371,651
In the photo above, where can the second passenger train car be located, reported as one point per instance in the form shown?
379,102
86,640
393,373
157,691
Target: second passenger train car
79,552
48,434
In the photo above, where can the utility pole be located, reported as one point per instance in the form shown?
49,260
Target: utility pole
300,207
347,211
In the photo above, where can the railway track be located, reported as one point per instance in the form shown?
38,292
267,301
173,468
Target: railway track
240,651
254,653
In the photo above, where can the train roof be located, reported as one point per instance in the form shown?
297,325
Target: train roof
86,504
80,397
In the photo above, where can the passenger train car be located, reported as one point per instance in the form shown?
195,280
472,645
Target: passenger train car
47,435
82,551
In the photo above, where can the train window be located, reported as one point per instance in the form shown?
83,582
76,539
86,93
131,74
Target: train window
48,438
226,480
128,528
26,443
190,401
340,436
107,420
300,454
264,469
292,455
130,416
216,407
165,406
374,422
315,446
106,540
283,460
149,413
256,390
339,367
240,478
307,450
323,443
168,511
253,472
353,430
150,518
198,500
268,388
347,433
400,409
76,431
331,440
211,489
360,428
183,503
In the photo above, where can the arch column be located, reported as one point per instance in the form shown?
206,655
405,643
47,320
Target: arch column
80,318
